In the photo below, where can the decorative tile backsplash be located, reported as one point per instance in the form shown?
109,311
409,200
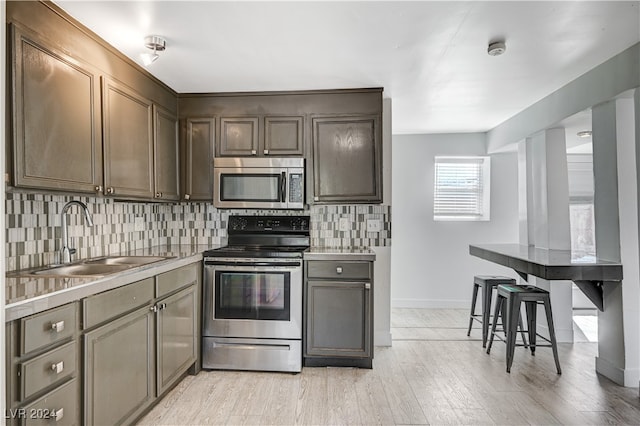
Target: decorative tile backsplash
34,233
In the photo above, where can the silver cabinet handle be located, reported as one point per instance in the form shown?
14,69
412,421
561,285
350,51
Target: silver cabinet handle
316,198
158,194
110,190
266,152
98,188
187,196
57,414
57,326
254,152
154,308
57,367
339,270
367,286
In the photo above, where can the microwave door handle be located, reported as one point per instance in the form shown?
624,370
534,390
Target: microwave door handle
283,187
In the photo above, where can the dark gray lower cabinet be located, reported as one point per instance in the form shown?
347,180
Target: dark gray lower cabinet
339,315
176,336
120,369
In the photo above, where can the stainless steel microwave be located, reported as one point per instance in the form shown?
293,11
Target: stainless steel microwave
258,183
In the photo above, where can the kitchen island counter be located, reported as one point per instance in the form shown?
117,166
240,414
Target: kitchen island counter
28,294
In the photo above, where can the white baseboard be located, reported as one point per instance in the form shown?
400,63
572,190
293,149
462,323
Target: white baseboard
431,303
628,377
382,338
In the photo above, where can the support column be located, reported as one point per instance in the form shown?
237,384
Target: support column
616,220
548,217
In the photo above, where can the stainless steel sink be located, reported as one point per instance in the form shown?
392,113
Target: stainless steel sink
94,267
125,260
81,270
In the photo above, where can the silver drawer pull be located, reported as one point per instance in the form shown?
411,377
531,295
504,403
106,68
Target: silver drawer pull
367,286
57,367
338,269
57,414
57,326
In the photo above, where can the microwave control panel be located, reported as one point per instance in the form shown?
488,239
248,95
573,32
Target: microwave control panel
296,188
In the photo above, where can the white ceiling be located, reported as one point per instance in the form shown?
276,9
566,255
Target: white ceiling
430,57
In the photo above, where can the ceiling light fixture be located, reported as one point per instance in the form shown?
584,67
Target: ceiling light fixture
584,134
155,43
496,48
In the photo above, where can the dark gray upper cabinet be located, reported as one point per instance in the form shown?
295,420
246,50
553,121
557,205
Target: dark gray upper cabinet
128,141
197,154
347,159
56,118
166,155
238,136
261,136
283,135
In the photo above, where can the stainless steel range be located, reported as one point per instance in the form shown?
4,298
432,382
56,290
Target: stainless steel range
253,295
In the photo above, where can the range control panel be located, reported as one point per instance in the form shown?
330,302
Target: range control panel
266,224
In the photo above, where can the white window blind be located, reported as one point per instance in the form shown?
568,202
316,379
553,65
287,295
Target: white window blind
461,188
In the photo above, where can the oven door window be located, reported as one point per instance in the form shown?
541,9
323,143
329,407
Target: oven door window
252,295
251,187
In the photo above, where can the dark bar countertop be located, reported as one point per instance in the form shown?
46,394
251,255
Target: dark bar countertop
587,271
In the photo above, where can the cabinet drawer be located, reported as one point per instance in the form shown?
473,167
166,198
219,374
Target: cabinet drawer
45,370
48,327
337,269
174,280
57,407
110,304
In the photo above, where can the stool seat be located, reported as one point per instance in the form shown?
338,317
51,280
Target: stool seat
510,297
488,284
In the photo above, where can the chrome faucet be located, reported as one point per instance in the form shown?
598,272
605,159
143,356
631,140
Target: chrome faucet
66,251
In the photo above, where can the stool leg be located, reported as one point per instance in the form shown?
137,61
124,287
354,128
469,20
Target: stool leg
522,334
496,314
473,307
552,334
532,312
511,319
487,291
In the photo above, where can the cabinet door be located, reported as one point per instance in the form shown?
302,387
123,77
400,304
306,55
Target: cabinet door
56,118
238,136
338,319
119,369
198,159
166,157
176,336
347,159
128,142
283,136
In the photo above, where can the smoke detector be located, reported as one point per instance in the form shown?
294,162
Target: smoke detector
496,48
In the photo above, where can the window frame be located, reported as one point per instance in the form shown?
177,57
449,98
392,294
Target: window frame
483,192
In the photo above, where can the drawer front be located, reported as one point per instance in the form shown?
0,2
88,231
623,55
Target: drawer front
178,278
338,270
48,327
110,304
47,369
57,407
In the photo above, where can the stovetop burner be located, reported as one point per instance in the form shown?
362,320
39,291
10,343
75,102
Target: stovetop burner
265,236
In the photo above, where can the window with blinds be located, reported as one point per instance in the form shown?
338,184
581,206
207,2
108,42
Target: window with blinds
461,188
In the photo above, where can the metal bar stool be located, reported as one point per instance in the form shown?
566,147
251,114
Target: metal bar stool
488,284
508,302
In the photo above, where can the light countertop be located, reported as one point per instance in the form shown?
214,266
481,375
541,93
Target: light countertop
340,253
28,294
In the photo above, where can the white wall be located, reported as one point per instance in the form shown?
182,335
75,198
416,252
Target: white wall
430,261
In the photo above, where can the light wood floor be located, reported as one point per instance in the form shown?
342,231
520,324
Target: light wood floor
433,374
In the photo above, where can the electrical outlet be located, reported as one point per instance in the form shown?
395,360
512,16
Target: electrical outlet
343,224
138,223
373,225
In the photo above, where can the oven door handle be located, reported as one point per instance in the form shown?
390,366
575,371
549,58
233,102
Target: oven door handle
227,263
